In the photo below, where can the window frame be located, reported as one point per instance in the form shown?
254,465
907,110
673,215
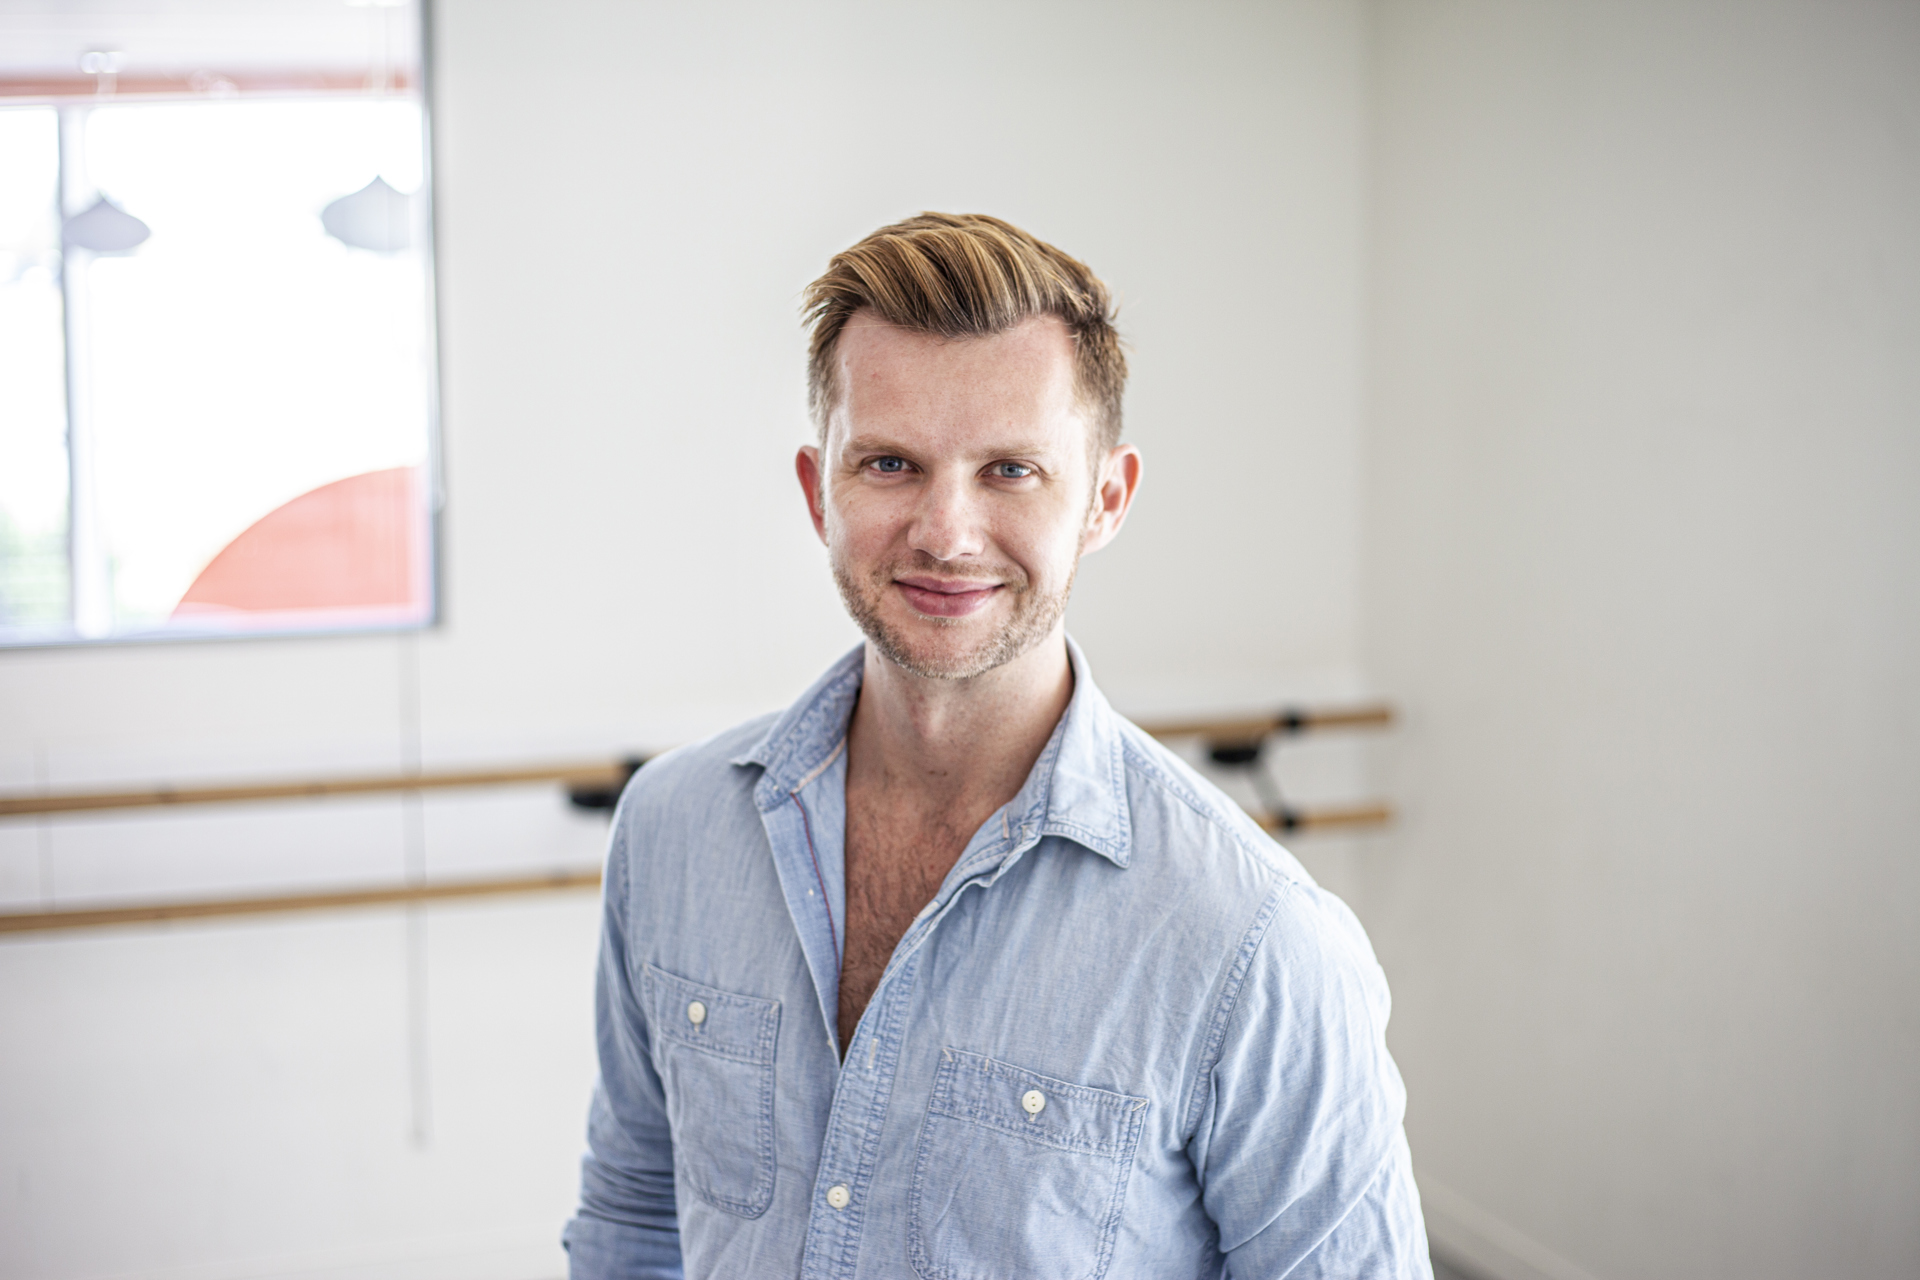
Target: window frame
72,99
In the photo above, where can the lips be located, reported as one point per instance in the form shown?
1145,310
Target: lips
946,597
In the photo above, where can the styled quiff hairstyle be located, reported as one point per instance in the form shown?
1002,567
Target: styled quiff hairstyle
966,275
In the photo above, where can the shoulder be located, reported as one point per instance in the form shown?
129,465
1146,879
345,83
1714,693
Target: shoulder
692,780
1296,1003
1293,932
1174,809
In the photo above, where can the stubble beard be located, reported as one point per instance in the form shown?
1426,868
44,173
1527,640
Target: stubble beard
1035,615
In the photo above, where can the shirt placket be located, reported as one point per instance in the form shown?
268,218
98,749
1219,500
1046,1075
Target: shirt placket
844,1185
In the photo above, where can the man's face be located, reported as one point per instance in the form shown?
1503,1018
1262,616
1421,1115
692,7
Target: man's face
956,493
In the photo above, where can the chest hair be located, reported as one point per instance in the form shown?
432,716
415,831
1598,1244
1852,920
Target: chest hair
896,860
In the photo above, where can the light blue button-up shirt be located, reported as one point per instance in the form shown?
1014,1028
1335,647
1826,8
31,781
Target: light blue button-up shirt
1130,1037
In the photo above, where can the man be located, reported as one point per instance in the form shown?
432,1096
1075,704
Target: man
948,971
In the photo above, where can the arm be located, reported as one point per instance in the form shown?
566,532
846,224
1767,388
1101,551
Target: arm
626,1228
1299,1147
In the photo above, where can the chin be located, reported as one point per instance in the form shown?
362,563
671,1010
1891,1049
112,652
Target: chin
940,648
957,648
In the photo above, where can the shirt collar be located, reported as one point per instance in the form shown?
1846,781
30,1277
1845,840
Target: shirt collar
1076,789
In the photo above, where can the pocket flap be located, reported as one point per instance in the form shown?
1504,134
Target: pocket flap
744,1028
1071,1117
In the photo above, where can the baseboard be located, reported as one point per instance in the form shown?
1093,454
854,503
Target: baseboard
1461,1231
494,1255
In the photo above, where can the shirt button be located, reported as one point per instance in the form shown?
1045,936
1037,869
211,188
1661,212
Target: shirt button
838,1196
1034,1101
696,1013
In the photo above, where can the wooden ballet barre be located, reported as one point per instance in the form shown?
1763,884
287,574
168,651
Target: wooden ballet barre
1239,729
572,880
577,777
598,784
1328,819
319,900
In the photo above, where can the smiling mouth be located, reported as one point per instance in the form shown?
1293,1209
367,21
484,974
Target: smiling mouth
946,597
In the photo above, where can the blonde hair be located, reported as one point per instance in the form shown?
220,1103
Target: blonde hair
966,275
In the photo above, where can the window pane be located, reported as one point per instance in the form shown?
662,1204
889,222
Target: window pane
242,363
33,410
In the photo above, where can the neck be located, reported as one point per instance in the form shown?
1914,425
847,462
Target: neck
970,741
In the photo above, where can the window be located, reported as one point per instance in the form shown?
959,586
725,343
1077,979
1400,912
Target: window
217,386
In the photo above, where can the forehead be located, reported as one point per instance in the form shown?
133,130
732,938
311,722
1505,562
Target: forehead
1023,377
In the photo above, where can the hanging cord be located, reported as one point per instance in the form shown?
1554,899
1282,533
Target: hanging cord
414,854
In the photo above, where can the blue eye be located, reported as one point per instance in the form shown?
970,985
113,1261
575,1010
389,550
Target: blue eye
1012,470
889,466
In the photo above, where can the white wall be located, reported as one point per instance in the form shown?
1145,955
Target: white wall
631,197
1630,532
1643,563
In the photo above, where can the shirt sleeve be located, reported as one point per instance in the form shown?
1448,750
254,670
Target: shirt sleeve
626,1228
1300,1149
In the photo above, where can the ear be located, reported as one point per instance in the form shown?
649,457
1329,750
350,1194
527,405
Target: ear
806,465
1118,481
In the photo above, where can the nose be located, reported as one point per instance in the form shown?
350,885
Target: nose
947,520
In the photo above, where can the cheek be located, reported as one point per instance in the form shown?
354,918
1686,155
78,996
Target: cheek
864,523
1045,544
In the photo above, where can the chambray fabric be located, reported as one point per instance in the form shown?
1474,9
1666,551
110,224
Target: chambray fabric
1202,1025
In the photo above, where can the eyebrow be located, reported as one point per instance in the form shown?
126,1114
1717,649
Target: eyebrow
881,445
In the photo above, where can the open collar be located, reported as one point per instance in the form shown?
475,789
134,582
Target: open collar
1076,789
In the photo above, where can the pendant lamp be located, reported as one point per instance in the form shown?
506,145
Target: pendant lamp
104,227
375,217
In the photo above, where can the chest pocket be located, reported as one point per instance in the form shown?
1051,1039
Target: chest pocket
714,1052
1019,1176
